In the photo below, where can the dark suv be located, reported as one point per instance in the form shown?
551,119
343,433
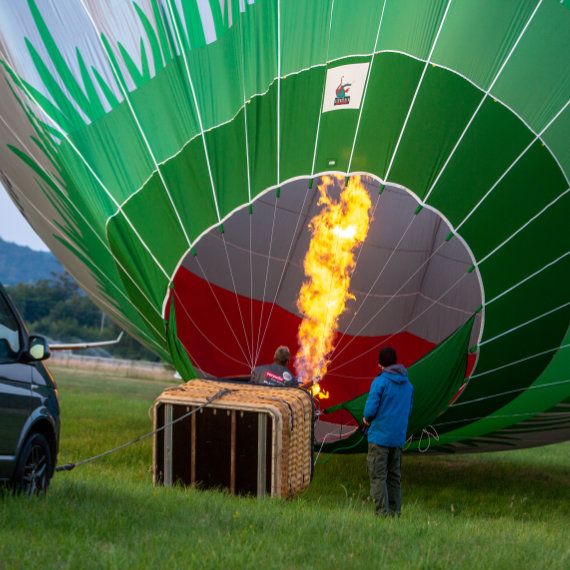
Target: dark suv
29,407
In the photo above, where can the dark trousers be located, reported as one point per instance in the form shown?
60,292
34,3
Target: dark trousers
384,470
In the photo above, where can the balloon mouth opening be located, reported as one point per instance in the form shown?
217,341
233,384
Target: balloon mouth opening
236,292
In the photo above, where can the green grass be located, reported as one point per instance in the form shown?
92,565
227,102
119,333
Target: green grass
501,510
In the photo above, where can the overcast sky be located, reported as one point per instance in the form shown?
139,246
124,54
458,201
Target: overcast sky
13,226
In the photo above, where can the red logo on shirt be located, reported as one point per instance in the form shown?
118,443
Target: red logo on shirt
274,377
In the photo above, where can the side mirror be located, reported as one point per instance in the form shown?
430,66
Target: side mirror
38,349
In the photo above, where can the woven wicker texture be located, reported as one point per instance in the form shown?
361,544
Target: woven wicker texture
292,413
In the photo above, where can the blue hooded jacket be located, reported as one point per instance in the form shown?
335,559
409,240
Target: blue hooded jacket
389,406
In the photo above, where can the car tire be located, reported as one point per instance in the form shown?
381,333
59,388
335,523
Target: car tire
34,467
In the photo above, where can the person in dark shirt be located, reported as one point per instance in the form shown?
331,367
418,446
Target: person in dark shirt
276,374
386,415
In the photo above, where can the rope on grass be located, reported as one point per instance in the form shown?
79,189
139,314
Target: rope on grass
429,432
71,466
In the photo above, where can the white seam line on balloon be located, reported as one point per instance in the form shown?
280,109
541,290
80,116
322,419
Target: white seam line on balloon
205,148
528,277
31,154
327,360
542,423
285,265
251,276
278,93
499,394
357,130
130,105
214,345
514,362
475,265
547,420
483,99
101,272
278,184
246,135
229,357
494,417
527,223
395,151
221,311
388,170
248,168
429,355
366,82
66,137
410,109
368,293
423,296
452,287
560,416
278,151
522,325
197,108
391,298
249,349
325,65
282,260
293,237
376,346
512,165
317,134
249,101
258,339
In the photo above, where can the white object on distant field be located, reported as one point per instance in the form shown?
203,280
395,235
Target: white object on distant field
82,345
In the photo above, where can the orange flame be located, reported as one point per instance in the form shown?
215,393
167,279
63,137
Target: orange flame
316,390
337,231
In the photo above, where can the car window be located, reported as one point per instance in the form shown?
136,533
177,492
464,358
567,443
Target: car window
9,333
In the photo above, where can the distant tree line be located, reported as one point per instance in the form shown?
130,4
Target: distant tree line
58,308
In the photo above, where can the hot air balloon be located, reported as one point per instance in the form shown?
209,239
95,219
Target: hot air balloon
170,151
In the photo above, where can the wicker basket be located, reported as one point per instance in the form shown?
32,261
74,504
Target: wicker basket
254,440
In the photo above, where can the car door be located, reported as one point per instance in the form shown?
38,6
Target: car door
15,387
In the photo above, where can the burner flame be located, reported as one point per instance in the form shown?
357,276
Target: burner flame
337,231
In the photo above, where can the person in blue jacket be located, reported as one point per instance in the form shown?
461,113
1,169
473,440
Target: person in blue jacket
386,415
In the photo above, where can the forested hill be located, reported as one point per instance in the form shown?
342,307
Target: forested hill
20,264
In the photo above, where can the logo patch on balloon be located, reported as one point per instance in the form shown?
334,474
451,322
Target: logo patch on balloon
344,87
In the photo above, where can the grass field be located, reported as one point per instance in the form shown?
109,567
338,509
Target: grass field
500,510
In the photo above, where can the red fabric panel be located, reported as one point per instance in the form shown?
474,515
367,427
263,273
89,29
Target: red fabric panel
204,313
